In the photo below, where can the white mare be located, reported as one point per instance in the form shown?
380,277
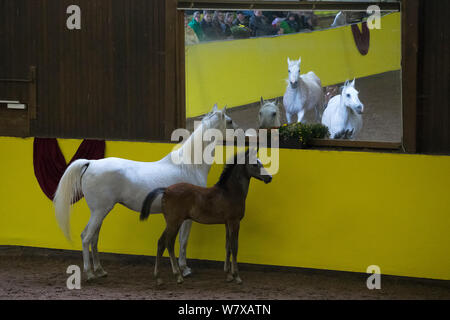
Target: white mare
106,182
343,113
304,94
269,114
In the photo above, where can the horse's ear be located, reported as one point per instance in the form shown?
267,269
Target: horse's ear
224,110
289,61
214,109
299,60
262,101
353,83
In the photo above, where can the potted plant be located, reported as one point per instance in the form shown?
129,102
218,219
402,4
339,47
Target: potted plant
299,135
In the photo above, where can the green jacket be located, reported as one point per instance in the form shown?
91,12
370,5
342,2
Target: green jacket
286,27
197,29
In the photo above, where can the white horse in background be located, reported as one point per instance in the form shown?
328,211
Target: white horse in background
304,93
340,19
106,182
343,113
269,114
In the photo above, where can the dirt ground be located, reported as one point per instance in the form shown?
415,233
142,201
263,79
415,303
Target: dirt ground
380,94
32,273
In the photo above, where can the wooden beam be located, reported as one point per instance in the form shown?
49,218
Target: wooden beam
32,94
410,47
285,5
170,79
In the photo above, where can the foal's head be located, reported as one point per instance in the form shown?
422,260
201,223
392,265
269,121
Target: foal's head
247,168
258,171
350,98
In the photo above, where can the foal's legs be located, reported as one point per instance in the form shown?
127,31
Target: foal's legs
171,235
234,236
226,267
161,248
183,238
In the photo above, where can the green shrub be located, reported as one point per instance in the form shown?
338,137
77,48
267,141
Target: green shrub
303,133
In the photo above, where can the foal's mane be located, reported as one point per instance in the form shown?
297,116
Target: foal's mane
228,170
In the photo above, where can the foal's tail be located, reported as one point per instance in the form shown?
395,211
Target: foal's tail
145,212
69,188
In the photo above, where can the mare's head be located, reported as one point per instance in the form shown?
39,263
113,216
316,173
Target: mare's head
294,72
350,99
216,119
269,114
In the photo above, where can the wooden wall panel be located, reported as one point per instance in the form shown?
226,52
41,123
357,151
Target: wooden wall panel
107,80
433,115
15,45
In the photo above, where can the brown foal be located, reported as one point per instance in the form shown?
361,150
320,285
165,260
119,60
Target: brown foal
224,203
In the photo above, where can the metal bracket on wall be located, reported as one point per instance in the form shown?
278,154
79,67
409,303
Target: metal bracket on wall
32,93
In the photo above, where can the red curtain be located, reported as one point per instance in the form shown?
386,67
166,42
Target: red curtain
362,38
49,163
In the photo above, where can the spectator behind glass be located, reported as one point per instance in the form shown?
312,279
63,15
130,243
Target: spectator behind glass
218,24
260,26
292,24
241,19
189,34
207,26
195,25
228,23
308,20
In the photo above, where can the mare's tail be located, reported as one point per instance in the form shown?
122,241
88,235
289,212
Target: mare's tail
145,212
69,188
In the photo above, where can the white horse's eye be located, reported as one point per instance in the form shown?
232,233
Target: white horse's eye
348,95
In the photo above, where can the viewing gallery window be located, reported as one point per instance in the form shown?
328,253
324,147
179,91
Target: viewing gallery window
283,51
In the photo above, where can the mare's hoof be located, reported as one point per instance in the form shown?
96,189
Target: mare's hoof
186,271
229,278
159,281
180,280
100,273
90,276
238,280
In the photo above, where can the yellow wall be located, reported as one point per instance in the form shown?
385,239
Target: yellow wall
324,209
239,72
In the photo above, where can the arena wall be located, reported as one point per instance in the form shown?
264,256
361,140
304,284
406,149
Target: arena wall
324,209
239,72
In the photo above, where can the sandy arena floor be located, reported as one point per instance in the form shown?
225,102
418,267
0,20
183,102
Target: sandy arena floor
32,273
